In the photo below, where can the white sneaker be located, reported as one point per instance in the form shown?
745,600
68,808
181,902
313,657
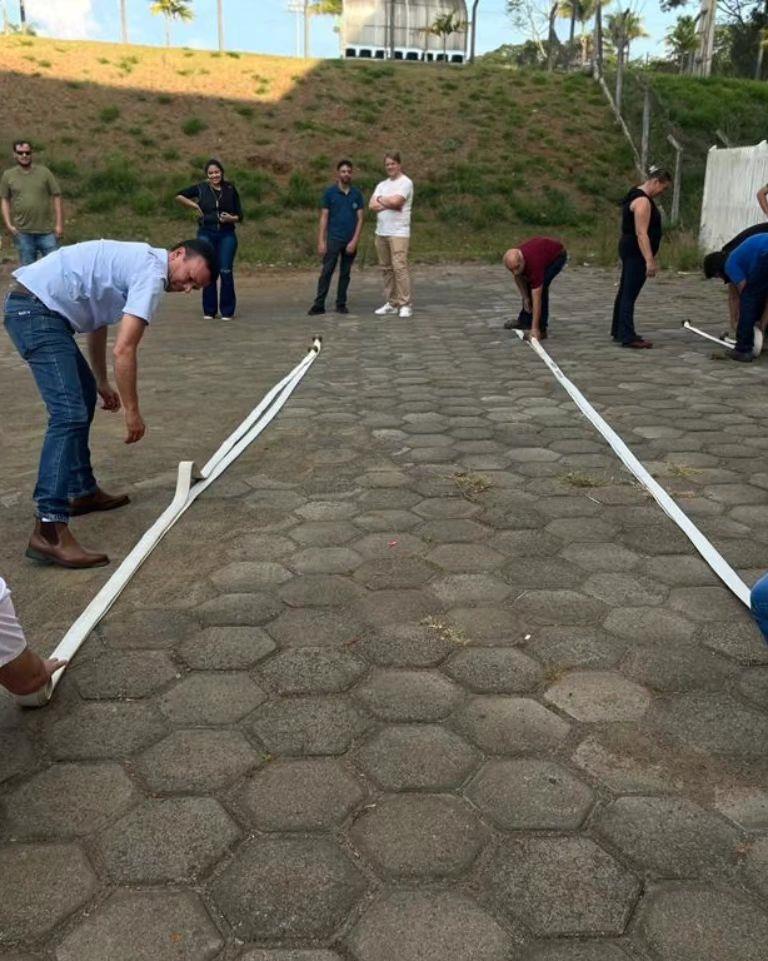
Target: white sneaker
758,342
386,309
406,311
208,317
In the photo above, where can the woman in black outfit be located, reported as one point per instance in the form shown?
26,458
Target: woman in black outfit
217,203
638,246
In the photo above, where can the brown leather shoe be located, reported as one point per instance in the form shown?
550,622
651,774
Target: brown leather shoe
53,543
99,500
639,344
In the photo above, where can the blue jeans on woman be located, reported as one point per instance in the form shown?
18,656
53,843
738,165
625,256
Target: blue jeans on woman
633,275
66,383
224,242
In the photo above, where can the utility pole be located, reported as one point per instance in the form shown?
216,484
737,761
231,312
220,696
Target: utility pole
391,29
306,28
706,36
22,16
123,23
220,20
474,31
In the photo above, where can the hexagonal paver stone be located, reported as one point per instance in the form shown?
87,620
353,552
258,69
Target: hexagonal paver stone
144,926
417,757
245,576
211,698
648,625
427,926
739,640
754,685
465,558
530,795
196,761
493,626
42,885
471,589
309,725
175,839
123,674
756,866
325,560
563,886
713,724
149,629
601,557
324,533
105,730
599,696
16,751
705,604
494,670
295,888
393,572
685,923
401,695
676,666
578,951
420,835
68,800
745,806
226,648
459,530
321,590
307,795
435,507
313,670
670,837
559,608
406,645
564,647
315,627
510,725
618,589
279,955
239,609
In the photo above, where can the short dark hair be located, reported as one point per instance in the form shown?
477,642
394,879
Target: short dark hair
661,174
714,265
344,163
19,143
393,155
201,248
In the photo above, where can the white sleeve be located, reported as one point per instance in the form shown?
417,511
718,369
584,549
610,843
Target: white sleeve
144,296
12,640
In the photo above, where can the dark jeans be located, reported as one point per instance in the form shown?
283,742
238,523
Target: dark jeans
759,605
336,250
224,242
525,317
752,301
633,273
65,381
30,245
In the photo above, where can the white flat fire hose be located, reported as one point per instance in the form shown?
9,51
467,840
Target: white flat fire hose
707,550
190,484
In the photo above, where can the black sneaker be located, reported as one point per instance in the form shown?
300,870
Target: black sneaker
314,309
342,309
741,356
514,324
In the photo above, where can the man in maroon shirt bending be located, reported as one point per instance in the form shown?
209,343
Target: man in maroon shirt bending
534,265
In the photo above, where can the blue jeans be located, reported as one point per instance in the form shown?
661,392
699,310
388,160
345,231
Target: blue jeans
759,605
224,242
337,250
752,302
30,245
525,317
633,275
46,342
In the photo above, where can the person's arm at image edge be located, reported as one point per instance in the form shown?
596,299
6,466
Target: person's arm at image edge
641,208
97,358
352,245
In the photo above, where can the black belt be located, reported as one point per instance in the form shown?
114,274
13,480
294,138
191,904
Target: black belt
19,290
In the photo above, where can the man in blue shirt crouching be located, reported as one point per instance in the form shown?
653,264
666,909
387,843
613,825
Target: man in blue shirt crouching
747,269
341,220
84,289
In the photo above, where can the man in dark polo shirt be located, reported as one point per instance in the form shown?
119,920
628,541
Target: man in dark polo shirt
534,265
341,220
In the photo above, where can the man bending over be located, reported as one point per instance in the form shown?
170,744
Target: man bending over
534,265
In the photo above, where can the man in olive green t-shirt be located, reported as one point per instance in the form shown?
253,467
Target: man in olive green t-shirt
26,192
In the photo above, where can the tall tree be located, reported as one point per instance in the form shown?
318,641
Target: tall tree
623,27
682,43
582,11
171,10
443,26
537,16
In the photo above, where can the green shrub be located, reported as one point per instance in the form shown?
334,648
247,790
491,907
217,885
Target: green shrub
109,114
144,203
100,201
171,154
43,63
300,192
63,167
193,125
244,110
165,99
252,184
233,54
102,60
117,177
320,163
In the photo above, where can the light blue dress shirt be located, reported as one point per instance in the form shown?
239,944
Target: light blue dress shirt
94,283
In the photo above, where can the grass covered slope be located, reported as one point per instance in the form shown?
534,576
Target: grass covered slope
495,154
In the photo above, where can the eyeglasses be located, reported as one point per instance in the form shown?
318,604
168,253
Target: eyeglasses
24,153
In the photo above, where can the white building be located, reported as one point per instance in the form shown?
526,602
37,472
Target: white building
366,30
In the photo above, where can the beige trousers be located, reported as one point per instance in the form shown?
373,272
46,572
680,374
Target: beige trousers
393,259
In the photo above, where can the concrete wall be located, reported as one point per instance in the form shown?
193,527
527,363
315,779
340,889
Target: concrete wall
366,23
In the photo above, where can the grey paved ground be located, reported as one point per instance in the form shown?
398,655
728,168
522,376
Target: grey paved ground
425,677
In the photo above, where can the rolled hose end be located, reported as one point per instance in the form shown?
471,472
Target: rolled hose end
38,698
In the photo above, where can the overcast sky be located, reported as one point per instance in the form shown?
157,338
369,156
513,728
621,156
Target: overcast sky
267,26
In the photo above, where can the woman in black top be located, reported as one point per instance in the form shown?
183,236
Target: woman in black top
217,204
638,246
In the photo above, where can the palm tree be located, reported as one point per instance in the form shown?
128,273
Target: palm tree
443,26
172,10
682,42
623,27
581,11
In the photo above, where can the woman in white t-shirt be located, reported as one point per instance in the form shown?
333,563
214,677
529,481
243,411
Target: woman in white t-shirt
21,670
391,201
